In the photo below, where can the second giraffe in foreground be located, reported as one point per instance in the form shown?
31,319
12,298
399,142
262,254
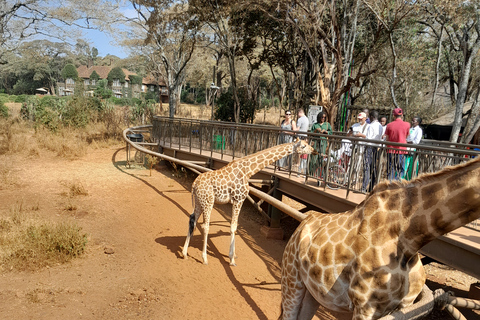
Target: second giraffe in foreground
230,184
365,260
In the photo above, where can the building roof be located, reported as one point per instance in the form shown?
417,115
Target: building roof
84,72
103,71
151,80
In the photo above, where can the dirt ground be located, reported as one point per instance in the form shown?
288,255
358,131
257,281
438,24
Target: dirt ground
133,268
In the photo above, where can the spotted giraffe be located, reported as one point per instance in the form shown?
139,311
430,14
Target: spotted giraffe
230,184
365,260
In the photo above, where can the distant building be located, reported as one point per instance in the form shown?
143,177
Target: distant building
150,87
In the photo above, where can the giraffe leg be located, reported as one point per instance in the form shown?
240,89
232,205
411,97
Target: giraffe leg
206,227
309,306
191,227
237,205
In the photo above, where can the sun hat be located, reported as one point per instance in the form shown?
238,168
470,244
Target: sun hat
361,115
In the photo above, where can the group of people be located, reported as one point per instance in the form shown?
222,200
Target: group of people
370,126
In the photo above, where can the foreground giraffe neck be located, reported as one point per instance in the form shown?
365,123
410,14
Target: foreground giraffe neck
436,204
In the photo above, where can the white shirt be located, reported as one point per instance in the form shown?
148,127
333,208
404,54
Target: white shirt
374,132
302,124
356,128
415,135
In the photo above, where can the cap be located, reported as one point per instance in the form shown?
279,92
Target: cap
361,115
397,112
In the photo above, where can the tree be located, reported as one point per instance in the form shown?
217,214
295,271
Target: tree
460,20
170,38
116,74
69,72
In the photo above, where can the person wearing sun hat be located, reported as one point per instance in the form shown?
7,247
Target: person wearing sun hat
359,129
397,131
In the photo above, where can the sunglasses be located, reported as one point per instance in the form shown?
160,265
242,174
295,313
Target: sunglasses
287,114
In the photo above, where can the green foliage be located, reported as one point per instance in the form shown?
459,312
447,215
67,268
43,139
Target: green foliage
21,98
116,74
102,91
78,112
134,79
225,107
69,71
94,76
3,110
152,95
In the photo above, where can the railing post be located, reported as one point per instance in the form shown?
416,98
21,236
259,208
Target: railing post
274,231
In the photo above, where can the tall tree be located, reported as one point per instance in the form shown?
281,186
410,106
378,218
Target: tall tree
171,35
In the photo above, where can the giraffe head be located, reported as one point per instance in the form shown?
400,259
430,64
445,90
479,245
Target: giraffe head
302,147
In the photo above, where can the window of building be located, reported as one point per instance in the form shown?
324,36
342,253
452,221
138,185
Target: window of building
116,83
86,82
126,84
93,82
69,81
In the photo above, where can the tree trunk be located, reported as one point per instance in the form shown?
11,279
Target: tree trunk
173,99
437,66
394,71
473,121
233,76
468,55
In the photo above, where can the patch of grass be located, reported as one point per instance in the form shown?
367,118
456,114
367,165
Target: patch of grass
5,225
68,143
75,188
18,214
7,179
70,207
36,246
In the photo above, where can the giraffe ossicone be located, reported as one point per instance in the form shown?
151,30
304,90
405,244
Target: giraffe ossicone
366,260
230,184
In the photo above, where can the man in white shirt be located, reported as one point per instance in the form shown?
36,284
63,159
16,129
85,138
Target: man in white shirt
415,134
302,126
414,137
374,131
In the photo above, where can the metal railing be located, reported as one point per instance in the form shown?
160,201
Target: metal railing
342,161
350,163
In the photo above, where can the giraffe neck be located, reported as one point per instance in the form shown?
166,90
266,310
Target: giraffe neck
261,159
438,203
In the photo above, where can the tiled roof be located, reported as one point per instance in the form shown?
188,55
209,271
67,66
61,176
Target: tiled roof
84,72
151,80
103,71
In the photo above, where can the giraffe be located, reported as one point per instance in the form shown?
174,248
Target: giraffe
230,184
365,260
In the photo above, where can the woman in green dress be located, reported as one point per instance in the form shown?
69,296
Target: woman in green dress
320,144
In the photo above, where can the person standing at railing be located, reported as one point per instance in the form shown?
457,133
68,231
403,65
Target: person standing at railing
320,144
302,126
359,130
383,122
286,137
397,131
414,137
374,132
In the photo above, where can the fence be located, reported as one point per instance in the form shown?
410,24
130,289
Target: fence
342,162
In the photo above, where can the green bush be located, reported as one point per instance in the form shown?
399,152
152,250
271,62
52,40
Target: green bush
3,111
225,106
21,98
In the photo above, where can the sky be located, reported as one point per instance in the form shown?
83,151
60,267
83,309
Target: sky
104,43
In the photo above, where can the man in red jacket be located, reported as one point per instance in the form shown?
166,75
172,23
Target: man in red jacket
397,131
